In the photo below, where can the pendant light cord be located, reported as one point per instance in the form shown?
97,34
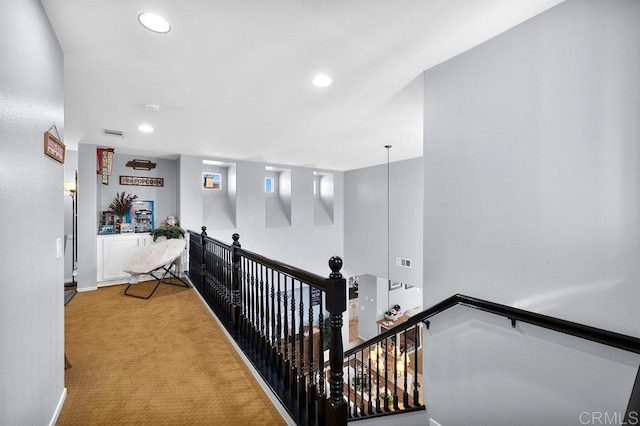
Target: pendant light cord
388,230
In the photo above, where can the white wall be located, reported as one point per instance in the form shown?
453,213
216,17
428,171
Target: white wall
301,244
532,197
190,200
481,371
365,231
366,220
31,193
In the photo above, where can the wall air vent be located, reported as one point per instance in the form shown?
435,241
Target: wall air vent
400,261
116,133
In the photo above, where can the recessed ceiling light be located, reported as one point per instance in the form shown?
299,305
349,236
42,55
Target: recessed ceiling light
146,128
154,22
322,80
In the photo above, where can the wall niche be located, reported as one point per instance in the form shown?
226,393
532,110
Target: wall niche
219,196
323,199
277,191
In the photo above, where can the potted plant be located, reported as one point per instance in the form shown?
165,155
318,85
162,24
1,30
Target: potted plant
121,204
167,231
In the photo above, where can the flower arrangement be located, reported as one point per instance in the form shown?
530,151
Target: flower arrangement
122,203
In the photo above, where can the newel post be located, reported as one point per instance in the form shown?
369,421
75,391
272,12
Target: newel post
235,281
203,266
336,285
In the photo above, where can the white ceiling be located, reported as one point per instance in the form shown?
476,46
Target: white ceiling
233,78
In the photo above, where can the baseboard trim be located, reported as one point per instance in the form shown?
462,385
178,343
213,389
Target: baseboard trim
267,390
56,414
83,289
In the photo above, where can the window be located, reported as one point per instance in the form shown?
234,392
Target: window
268,185
211,181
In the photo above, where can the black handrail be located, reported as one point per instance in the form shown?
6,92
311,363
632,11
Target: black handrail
605,337
292,271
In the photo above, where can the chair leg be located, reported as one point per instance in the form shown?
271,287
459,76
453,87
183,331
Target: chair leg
142,297
184,284
167,270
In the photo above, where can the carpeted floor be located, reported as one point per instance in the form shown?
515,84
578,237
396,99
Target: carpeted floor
162,361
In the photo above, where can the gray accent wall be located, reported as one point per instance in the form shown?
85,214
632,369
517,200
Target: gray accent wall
532,199
88,210
94,197
164,197
31,193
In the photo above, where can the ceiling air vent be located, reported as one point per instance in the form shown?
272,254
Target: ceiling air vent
116,133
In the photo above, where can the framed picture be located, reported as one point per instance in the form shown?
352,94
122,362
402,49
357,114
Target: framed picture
211,180
394,285
53,147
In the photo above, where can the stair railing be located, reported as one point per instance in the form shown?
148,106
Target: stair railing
283,318
278,315
384,374
363,393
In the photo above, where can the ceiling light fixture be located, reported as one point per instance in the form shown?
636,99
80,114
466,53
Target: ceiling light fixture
154,22
146,128
322,80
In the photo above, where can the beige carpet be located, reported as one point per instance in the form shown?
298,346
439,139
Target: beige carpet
161,361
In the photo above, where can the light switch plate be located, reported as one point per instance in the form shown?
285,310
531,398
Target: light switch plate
58,248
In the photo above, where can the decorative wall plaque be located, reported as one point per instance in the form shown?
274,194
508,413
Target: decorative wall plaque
53,147
141,181
141,164
105,162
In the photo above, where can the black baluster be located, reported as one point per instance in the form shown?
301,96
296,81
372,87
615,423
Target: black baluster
396,348
244,295
279,348
312,389
254,305
263,315
322,396
203,265
302,387
387,391
351,414
235,281
287,364
370,381
294,352
249,286
363,384
336,304
405,394
378,348
416,368
274,348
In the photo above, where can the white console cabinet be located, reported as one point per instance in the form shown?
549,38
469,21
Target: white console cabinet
113,253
